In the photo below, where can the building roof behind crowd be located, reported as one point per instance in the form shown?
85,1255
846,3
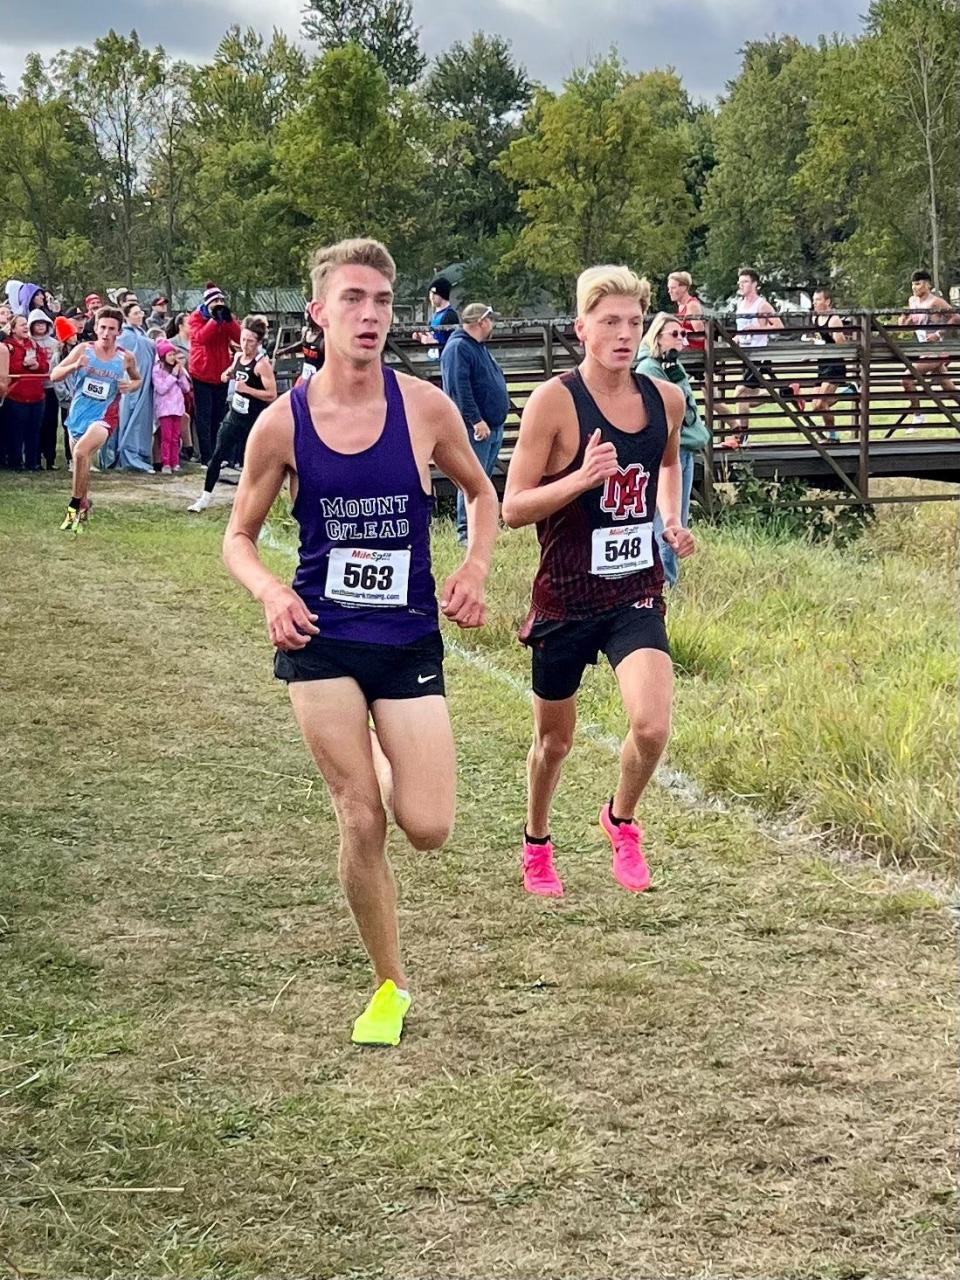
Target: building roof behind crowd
278,301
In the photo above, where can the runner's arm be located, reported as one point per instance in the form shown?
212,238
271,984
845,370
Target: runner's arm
944,309
69,363
453,455
669,486
835,323
770,318
462,597
4,368
133,379
694,318
265,466
525,499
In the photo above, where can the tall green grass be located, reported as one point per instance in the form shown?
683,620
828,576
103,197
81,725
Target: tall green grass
818,683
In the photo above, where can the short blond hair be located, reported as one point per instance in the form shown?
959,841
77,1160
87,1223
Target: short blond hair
597,283
682,277
349,253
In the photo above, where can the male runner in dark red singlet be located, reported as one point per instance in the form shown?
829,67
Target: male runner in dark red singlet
596,457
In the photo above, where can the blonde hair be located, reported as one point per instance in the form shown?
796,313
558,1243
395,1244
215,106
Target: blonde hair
682,277
349,253
652,336
597,283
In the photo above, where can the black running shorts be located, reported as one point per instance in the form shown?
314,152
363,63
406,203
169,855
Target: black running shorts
381,670
561,651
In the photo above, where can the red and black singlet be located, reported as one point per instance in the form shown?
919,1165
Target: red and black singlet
694,337
584,545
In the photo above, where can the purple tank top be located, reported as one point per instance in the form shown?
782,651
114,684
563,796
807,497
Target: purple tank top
364,531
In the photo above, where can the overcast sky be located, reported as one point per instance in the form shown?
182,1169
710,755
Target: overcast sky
549,37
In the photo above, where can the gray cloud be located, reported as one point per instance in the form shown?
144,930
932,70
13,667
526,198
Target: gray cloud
701,38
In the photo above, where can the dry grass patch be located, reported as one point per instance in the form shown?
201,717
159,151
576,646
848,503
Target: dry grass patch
743,1072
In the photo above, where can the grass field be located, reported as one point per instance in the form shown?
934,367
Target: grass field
748,1071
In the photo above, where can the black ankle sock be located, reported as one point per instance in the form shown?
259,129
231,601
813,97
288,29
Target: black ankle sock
74,504
535,839
617,822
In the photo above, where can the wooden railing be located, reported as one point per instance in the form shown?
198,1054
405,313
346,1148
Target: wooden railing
871,412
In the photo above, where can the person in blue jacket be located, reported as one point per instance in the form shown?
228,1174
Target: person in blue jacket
475,383
443,315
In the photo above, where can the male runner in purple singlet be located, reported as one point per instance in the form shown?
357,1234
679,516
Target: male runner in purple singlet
357,633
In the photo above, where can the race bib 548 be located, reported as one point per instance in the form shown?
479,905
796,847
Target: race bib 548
621,549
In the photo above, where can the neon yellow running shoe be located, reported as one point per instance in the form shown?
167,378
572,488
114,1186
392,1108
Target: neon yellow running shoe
382,1020
70,520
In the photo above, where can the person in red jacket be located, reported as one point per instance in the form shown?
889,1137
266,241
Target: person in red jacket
212,329
23,409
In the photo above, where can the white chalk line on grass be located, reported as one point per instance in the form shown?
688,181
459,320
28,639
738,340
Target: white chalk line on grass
678,784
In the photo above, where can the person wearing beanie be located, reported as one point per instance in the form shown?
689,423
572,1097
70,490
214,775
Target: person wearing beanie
255,386
170,388
91,305
475,383
443,314
212,329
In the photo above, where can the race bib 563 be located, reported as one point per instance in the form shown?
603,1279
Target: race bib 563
367,576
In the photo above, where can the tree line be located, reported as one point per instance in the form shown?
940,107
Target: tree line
837,162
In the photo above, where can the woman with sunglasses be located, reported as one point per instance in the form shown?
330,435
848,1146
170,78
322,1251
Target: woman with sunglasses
659,357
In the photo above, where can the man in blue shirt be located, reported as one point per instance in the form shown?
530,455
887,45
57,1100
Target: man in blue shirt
443,314
475,383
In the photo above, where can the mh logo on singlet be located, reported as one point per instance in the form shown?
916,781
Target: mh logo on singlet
625,494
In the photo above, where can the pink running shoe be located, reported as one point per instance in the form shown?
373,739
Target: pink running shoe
629,864
539,875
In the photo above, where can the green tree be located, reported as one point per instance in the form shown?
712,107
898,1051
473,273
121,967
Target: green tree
478,94
601,177
751,207
240,225
881,173
249,87
352,159
114,87
383,27
701,159
171,175
46,154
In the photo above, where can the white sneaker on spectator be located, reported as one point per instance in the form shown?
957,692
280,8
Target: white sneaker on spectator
201,503
166,471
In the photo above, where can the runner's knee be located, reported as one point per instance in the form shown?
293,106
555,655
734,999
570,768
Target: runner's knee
425,831
553,745
650,736
363,824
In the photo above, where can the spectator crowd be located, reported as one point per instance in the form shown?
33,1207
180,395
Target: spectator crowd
184,361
